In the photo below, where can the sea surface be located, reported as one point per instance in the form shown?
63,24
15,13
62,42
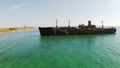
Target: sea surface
27,49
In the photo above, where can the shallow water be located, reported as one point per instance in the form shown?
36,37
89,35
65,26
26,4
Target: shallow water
27,49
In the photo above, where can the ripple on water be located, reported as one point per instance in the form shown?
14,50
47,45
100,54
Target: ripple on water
27,49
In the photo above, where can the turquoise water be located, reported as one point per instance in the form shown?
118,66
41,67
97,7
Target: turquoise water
27,49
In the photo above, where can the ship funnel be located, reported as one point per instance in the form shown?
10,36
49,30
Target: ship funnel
89,22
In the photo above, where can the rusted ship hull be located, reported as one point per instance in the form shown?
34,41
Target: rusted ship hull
74,31
81,29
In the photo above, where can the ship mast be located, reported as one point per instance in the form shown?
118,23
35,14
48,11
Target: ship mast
102,24
56,23
56,27
68,23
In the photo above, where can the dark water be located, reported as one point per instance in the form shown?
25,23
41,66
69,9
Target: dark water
26,49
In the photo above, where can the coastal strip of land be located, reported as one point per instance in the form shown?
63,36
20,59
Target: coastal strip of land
11,29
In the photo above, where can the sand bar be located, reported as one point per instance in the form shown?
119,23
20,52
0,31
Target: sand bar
11,29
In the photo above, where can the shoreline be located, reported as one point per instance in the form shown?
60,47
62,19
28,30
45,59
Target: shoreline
14,29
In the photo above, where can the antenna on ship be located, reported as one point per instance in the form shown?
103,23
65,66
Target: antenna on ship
102,24
68,23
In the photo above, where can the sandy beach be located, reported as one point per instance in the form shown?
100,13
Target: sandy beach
11,29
